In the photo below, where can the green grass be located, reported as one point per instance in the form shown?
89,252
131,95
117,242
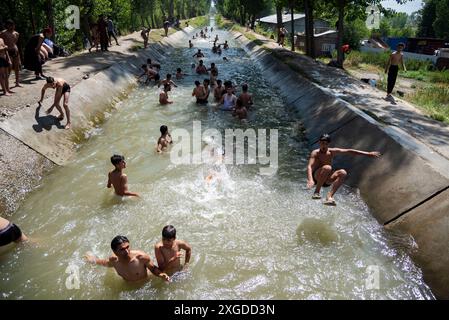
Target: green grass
199,22
223,23
433,99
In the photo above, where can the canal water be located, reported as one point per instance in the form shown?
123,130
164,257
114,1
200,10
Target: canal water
253,236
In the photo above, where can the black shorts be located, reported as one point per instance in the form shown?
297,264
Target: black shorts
202,101
10,234
3,63
325,185
65,88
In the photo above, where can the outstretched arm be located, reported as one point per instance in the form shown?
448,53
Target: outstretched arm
354,152
154,270
184,245
102,262
124,180
44,88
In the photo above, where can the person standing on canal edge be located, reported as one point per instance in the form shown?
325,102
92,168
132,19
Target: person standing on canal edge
392,68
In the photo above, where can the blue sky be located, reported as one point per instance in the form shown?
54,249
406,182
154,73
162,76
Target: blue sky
409,7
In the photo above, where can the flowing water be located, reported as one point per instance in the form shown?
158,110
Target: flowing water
253,236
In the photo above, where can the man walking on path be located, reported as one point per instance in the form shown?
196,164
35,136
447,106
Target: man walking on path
111,31
392,68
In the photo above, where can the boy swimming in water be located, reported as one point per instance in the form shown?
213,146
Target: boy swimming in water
321,172
168,251
163,96
131,265
164,140
118,179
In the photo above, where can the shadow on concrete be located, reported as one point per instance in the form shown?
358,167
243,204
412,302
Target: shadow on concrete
45,122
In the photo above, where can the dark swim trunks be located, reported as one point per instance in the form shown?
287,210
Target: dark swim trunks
65,88
325,185
3,63
201,101
10,234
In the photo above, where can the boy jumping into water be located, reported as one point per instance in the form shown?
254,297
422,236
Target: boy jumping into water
392,68
131,265
168,251
321,173
164,140
118,179
62,90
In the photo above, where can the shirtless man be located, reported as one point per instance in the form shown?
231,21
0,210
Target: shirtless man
321,173
10,36
168,251
213,68
392,67
190,44
179,74
168,81
145,34
131,265
200,93
118,179
164,140
219,91
150,73
247,98
240,110
198,54
62,90
201,68
9,232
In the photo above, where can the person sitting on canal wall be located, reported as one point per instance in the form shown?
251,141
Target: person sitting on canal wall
118,179
62,90
164,140
131,265
321,173
9,233
168,251
163,96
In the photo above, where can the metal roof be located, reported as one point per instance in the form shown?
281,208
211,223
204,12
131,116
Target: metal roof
285,18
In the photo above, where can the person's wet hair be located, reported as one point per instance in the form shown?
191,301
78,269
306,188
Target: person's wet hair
401,44
325,137
9,23
116,159
144,66
148,61
50,79
168,75
178,70
244,87
219,82
169,232
212,64
163,129
201,62
197,83
117,241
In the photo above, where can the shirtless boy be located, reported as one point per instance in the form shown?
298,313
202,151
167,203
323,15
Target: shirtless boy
240,110
62,90
392,68
168,251
168,81
131,265
164,140
150,73
198,54
190,44
321,173
152,64
144,34
163,96
219,91
199,92
10,36
179,74
247,98
201,69
118,179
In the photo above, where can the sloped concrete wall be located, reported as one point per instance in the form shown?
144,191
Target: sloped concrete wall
406,189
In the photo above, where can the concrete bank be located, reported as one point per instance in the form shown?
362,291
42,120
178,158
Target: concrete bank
407,189
32,143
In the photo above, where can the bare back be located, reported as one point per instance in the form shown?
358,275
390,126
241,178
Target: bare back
119,181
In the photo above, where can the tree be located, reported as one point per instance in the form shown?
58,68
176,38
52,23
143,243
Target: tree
428,16
441,24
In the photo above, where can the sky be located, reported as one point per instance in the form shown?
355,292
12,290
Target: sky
409,7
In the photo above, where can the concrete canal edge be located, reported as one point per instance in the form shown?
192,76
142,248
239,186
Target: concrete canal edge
407,189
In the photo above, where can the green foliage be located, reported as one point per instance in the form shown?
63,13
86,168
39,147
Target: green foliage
441,25
428,16
434,100
354,32
31,16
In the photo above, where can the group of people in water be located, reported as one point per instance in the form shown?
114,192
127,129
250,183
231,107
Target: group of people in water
136,265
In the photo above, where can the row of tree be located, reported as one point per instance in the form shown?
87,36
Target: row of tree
434,19
31,16
340,11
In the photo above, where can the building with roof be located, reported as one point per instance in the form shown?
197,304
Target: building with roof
325,42
270,22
